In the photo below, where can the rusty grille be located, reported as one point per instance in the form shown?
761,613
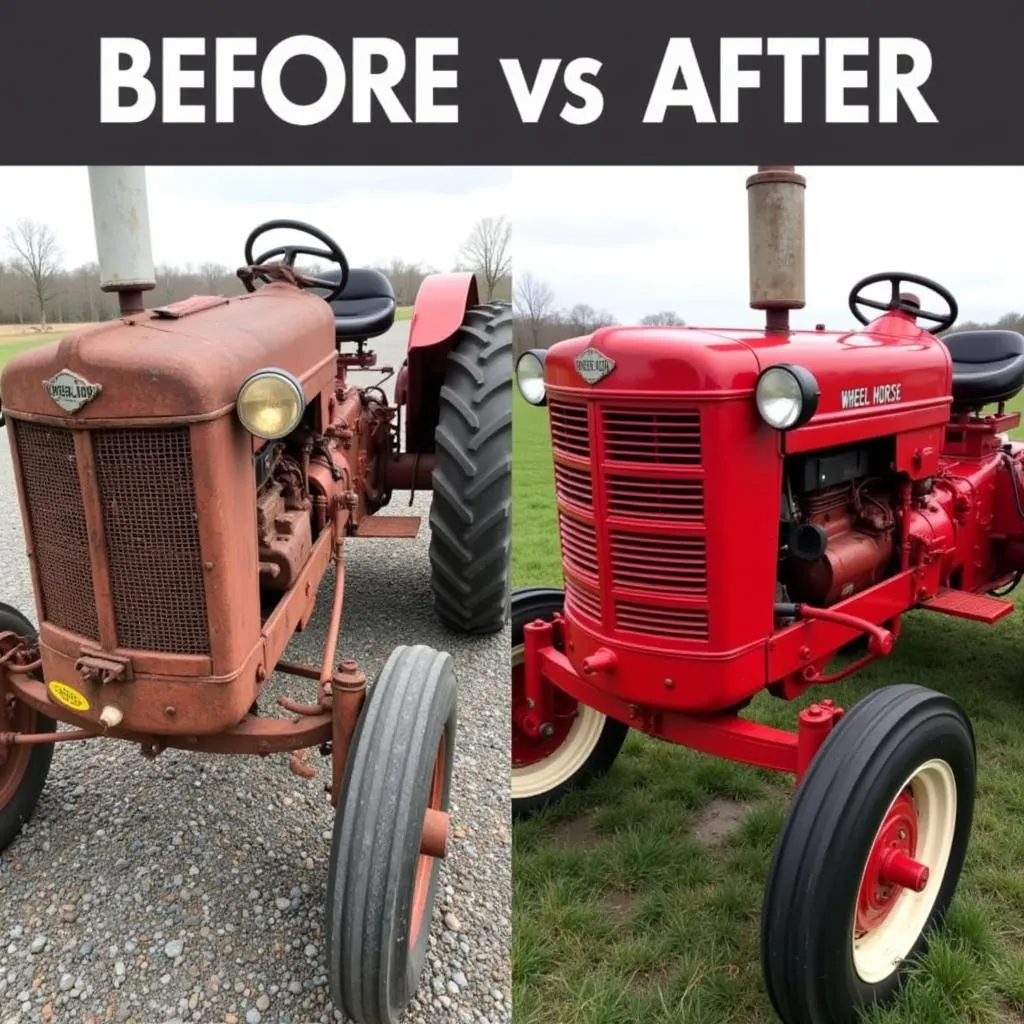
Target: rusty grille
53,496
680,501
582,601
152,530
570,429
579,545
660,437
677,623
674,565
574,485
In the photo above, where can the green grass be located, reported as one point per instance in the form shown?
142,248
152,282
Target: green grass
11,346
622,915
403,313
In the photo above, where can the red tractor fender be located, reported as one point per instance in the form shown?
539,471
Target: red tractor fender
438,313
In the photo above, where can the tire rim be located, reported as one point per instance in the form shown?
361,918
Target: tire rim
541,764
13,768
426,866
916,833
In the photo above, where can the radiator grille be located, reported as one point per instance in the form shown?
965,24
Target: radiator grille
674,565
676,623
570,429
579,545
663,438
151,523
582,601
49,471
680,501
575,485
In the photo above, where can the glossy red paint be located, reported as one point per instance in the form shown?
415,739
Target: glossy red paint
668,492
440,307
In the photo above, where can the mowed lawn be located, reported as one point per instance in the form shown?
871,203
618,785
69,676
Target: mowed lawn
638,901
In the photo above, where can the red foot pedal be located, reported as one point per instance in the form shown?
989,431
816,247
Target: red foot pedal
389,526
963,605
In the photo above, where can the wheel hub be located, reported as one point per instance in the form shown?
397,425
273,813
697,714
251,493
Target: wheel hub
535,738
891,866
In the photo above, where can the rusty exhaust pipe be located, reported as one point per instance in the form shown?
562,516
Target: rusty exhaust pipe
775,212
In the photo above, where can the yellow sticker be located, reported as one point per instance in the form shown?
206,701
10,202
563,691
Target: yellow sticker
68,696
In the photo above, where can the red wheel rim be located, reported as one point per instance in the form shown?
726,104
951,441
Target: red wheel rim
528,745
878,891
425,866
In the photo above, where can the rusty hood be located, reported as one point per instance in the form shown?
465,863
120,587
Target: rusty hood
183,362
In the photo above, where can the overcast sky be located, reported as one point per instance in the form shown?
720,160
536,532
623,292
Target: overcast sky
201,215
639,240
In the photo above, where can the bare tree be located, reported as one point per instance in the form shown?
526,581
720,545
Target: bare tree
533,302
584,318
486,250
666,318
36,259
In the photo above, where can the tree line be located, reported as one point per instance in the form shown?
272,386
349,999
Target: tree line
37,289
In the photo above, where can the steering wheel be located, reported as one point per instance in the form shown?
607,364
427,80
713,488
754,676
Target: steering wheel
898,301
332,252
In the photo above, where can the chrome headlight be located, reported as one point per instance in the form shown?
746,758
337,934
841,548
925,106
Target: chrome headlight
530,376
786,396
270,404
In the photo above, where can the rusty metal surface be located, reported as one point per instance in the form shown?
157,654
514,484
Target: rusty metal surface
389,526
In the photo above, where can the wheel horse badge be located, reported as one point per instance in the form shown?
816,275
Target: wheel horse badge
593,365
70,391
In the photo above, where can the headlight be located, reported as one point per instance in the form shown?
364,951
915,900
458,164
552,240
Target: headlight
786,396
530,376
270,404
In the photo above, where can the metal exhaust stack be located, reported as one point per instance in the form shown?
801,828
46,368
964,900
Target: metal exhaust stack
121,220
775,208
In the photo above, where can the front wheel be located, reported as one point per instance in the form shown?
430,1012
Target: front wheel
381,886
582,742
23,769
870,855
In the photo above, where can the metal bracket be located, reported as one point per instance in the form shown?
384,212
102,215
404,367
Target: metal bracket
104,668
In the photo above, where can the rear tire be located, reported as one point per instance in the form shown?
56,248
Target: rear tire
580,751
470,516
380,889
835,931
23,773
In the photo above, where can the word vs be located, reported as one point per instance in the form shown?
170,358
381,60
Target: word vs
883,394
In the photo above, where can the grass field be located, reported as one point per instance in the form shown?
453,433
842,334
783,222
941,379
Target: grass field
638,901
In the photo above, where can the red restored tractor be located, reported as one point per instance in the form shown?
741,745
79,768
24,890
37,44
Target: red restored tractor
737,506
187,475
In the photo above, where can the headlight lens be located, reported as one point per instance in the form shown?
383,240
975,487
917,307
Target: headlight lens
271,403
786,396
530,376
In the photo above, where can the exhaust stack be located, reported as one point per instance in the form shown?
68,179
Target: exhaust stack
121,221
775,209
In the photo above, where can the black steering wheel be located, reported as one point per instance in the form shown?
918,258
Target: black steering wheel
332,252
905,302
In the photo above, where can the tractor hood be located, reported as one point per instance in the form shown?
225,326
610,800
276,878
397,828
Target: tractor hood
890,365
183,362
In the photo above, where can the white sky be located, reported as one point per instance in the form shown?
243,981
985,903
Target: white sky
639,240
200,215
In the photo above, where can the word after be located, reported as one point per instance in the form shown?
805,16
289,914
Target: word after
847,71
218,69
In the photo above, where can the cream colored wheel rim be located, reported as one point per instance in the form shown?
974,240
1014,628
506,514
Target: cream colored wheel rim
882,950
566,760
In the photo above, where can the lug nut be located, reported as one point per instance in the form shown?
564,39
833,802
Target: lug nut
547,730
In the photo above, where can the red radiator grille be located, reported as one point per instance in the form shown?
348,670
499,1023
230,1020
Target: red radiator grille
570,429
582,601
574,485
674,565
642,497
677,623
579,545
152,528
664,438
49,472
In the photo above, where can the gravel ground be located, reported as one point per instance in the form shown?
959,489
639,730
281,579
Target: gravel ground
192,887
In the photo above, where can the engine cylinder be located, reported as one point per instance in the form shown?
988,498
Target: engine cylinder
853,561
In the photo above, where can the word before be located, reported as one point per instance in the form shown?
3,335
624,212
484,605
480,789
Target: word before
128,93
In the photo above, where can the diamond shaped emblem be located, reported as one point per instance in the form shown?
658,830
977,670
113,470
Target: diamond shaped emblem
593,366
70,391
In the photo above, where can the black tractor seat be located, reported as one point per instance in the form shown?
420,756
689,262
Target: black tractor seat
988,366
365,308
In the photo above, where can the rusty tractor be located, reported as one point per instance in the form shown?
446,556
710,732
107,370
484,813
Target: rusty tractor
187,475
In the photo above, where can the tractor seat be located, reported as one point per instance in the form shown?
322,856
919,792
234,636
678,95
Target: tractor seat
365,308
988,366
